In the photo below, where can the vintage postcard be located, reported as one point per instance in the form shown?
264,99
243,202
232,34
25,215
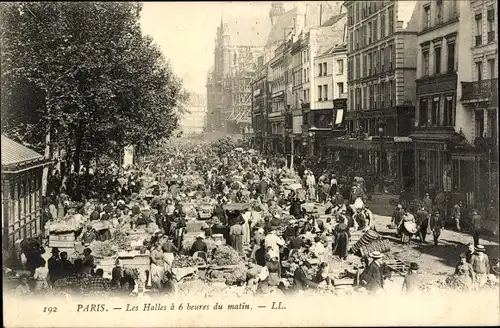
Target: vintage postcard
281,163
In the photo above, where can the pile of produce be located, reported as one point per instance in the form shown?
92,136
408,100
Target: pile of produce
103,248
226,255
122,239
238,275
183,261
68,223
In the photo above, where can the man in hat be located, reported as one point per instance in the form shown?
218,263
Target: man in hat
476,226
481,266
427,201
412,280
471,250
89,235
397,216
199,245
373,276
422,223
88,261
436,225
359,219
117,274
54,265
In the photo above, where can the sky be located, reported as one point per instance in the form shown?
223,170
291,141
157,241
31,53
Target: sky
185,31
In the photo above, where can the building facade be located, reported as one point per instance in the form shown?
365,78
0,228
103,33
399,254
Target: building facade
381,68
21,194
260,96
455,132
229,80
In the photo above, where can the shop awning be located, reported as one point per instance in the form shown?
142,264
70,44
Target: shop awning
399,143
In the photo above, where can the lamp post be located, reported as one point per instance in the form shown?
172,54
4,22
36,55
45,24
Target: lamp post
311,144
381,125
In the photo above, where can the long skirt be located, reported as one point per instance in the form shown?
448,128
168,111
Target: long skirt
246,233
341,244
237,243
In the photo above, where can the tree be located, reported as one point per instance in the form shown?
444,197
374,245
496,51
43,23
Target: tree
82,77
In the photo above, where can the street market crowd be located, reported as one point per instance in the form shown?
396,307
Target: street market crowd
202,213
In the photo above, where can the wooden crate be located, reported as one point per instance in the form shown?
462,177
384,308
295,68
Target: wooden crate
62,244
62,237
397,266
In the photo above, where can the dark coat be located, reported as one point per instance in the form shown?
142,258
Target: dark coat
300,280
373,275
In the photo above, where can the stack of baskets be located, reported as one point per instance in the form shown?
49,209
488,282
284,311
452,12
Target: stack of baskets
370,242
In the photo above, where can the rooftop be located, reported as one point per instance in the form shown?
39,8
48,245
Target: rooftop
15,155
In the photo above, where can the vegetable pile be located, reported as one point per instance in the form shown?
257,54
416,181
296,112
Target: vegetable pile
103,248
226,255
239,274
183,261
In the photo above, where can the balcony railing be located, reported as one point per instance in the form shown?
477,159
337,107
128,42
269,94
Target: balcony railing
479,90
479,40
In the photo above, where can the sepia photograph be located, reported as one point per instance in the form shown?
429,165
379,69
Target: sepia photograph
253,163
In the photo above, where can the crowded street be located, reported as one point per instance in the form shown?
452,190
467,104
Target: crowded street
183,159
198,216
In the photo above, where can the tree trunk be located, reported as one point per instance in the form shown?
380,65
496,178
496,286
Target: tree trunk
45,174
78,150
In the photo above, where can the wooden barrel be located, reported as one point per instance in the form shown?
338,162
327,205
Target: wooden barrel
368,237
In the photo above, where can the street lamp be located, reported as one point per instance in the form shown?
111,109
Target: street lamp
381,125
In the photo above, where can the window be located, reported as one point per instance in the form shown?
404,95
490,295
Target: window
340,66
351,41
491,25
451,57
320,91
369,34
425,63
479,30
491,68
392,92
364,65
325,69
382,24
479,123
375,61
357,11
356,39
365,96
320,70
439,12
448,115
423,112
391,48
427,16
435,112
358,98
357,67
351,100
382,59
375,95
479,70
391,20
375,29
325,92
437,60
370,98
340,87
369,64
